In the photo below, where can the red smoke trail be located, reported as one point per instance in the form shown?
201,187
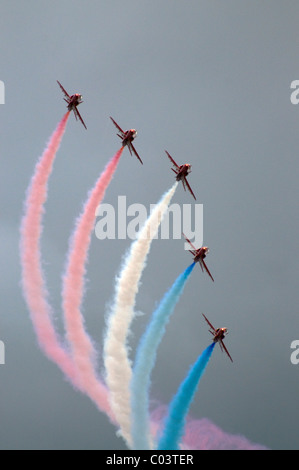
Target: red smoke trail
203,434
83,351
33,282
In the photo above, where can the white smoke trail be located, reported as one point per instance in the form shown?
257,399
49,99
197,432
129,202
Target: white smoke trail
116,355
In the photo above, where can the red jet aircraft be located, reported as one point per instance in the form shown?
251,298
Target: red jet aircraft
219,334
181,173
72,102
199,255
127,138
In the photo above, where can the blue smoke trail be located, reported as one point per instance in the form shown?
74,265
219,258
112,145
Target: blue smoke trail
145,360
180,404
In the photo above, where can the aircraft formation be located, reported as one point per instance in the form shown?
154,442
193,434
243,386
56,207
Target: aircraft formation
181,171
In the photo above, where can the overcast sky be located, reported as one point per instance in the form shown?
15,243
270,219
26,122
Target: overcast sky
209,81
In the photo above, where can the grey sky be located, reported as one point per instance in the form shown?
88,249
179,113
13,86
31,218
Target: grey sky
209,81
